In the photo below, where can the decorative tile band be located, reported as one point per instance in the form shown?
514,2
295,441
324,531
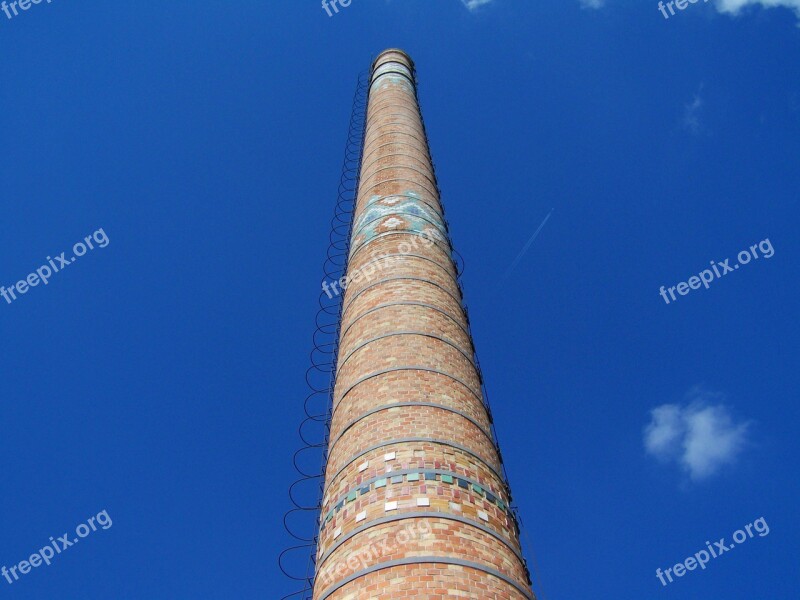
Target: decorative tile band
392,78
391,208
386,213
447,477
392,66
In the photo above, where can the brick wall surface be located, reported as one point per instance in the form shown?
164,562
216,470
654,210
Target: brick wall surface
414,503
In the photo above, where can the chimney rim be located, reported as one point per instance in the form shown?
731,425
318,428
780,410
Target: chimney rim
396,51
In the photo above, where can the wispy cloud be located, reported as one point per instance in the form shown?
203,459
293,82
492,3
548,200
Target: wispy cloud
691,113
731,7
701,437
734,7
474,4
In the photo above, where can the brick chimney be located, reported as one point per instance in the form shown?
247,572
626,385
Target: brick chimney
415,504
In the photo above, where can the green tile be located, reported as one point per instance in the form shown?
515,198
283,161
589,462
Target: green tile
477,489
351,497
447,479
380,483
413,476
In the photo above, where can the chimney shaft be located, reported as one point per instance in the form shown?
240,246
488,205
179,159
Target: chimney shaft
415,505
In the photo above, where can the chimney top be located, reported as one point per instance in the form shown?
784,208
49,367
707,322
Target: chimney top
399,56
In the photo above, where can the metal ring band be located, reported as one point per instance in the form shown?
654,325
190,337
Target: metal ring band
429,176
405,110
383,103
416,184
408,155
374,78
470,359
402,119
418,515
345,308
403,405
410,368
418,128
421,560
384,256
408,440
391,304
389,144
373,140
356,250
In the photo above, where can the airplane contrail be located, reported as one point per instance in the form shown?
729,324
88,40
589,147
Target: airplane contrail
526,247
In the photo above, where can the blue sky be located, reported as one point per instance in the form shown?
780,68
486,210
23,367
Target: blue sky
161,377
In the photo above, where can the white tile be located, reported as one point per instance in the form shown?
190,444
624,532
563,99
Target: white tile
337,533
390,506
361,516
390,456
363,467
423,502
483,516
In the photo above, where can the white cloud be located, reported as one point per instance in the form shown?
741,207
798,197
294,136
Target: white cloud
663,434
691,113
735,6
474,4
731,7
700,437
